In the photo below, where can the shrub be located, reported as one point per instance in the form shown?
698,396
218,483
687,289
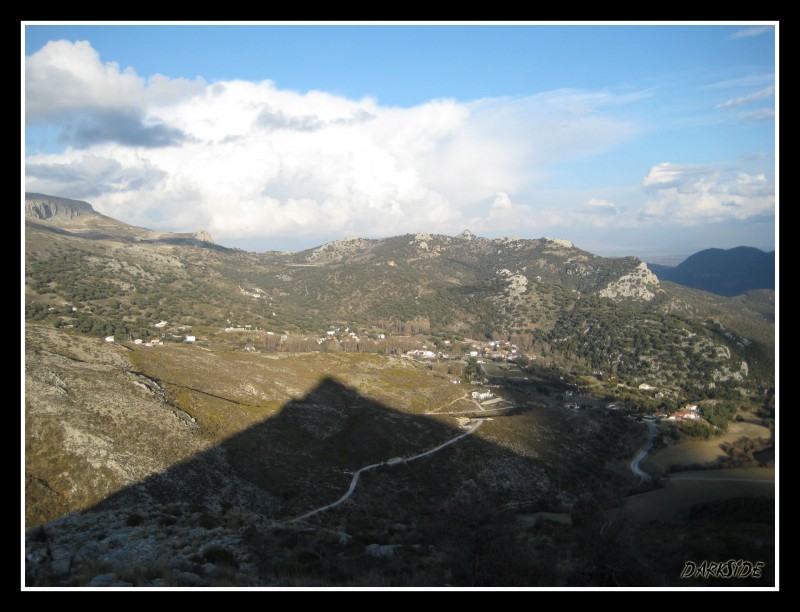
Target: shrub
219,556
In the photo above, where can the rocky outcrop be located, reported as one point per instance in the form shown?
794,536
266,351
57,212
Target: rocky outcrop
203,236
516,284
44,207
337,250
560,242
639,284
146,546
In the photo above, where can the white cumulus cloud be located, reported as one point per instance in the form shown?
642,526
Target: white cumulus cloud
247,159
690,194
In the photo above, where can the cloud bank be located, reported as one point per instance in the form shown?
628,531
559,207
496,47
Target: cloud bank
247,159
690,194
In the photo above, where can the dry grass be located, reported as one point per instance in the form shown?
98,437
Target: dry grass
671,503
702,452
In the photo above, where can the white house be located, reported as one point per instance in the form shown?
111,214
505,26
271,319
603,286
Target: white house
477,395
137,341
190,339
109,338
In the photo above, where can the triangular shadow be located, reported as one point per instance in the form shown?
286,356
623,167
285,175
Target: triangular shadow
304,457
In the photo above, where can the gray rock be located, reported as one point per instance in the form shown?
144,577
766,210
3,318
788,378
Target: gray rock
91,551
35,554
209,569
380,550
188,579
61,562
103,580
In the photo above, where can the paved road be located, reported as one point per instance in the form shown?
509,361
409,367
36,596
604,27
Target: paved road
651,434
393,461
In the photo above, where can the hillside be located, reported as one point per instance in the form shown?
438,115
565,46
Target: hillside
728,272
138,461
562,305
185,403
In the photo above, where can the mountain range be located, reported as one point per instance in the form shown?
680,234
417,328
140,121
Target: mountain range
726,272
578,308
194,414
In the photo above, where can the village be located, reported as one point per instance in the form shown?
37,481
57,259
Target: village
491,363
164,335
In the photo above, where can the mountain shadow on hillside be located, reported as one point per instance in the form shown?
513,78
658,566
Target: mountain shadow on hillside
448,518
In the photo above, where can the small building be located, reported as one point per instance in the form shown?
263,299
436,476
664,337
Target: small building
137,341
190,339
109,338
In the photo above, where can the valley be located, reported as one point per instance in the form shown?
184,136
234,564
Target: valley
191,409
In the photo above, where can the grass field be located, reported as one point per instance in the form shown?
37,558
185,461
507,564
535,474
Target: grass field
672,503
700,452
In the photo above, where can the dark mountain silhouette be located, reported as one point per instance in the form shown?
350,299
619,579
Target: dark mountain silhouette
725,272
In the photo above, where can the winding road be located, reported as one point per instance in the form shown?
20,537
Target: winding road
393,461
651,434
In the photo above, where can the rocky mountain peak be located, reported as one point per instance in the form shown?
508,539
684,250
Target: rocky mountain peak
43,207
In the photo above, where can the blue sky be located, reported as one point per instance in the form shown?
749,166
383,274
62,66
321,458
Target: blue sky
651,140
